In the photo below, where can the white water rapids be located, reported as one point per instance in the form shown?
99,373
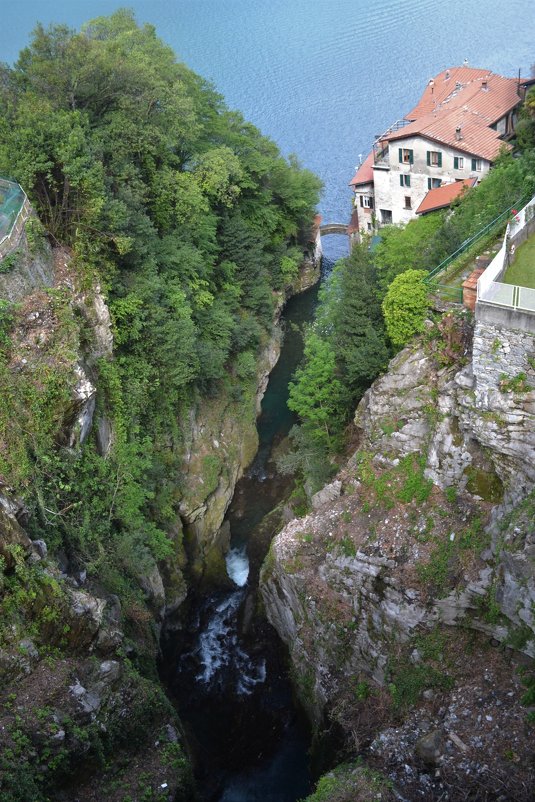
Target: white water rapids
220,658
238,566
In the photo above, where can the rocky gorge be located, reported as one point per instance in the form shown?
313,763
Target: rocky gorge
79,682
406,596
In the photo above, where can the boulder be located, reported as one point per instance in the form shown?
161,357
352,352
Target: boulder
327,494
12,536
429,747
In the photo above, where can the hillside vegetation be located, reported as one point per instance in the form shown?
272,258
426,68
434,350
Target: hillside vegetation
190,220
376,301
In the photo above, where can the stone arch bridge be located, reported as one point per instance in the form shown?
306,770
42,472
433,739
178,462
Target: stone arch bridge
334,228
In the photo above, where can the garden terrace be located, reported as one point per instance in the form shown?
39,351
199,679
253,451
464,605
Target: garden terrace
506,289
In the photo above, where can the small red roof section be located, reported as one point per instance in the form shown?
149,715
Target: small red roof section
443,196
364,174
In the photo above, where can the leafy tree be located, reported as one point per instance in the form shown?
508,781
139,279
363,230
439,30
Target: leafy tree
409,247
358,332
316,394
525,127
189,219
405,306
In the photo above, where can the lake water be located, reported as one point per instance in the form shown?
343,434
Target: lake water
320,77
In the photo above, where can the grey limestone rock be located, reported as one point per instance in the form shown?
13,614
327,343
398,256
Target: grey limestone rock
429,747
328,493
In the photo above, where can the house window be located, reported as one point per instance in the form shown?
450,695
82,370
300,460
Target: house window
404,180
408,204
366,202
369,226
406,156
434,183
476,165
386,216
458,163
434,158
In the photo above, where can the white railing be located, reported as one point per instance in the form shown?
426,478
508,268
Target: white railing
492,291
494,270
526,299
511,295
498,293
521,219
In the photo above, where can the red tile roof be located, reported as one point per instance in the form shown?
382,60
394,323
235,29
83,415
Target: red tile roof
364,174
476,139
463,97
443,196
465,86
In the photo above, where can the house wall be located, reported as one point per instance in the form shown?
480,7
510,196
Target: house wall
383,195
419,172
365,214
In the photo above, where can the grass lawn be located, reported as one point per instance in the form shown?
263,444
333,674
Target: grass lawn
522,270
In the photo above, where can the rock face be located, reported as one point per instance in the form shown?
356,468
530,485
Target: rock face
412,543
69,693
32,270
12,538
476,425
220,442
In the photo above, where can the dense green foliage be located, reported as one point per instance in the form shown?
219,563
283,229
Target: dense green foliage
525,127
190,219
352,782
405,306
376,301
345,350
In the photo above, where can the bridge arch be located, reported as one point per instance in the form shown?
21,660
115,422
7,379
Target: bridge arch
333,228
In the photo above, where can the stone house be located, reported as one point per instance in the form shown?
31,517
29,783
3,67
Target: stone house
455,132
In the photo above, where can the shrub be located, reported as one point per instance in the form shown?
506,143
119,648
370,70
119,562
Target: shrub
405,306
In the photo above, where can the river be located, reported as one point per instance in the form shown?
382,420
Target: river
226,669
321,77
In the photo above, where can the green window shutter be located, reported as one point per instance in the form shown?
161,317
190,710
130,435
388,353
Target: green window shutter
411,157
401,154
407,181
455,162
429,158
474,164
440,159
401,179
428,183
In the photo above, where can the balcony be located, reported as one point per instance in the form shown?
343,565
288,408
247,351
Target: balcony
381,156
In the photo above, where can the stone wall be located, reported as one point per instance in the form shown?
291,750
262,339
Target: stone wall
499,352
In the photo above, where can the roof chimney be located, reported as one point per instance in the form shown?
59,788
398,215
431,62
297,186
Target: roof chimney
447,76
485,85
432,85
458,135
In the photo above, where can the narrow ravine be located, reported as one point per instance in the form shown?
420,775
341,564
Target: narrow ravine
227,671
